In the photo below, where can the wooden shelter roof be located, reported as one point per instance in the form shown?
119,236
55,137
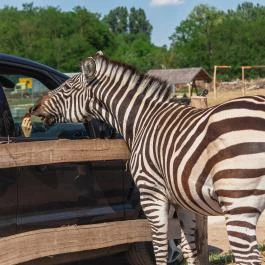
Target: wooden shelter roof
181,75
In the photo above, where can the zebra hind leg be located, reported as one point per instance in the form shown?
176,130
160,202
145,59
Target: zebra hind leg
187,221
241,230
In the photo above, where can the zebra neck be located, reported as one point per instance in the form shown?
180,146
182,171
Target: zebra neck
123,99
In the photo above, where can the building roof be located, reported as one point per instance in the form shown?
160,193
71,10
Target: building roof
181,75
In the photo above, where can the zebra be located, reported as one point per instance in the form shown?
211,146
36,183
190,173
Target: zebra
203,161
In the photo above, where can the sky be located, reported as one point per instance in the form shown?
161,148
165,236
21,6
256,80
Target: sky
164,15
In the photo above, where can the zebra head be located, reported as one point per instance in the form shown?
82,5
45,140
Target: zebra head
70,101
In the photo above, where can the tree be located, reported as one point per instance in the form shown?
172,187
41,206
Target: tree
10,37
62,39
209,36
138,23
247,11
194,39
117,20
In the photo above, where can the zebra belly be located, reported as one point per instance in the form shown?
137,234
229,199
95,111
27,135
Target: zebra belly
203,201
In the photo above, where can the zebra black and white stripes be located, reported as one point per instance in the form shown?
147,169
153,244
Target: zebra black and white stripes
207,161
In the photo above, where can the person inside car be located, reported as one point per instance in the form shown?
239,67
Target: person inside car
7,126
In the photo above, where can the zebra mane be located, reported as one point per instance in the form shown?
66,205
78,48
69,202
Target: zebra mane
153,84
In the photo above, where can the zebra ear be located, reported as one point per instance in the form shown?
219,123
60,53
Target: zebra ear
89,68
99,53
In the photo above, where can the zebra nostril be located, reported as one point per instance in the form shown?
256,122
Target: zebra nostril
36,106
31,109
35,110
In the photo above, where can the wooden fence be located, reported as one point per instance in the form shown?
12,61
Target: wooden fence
45,242
61,151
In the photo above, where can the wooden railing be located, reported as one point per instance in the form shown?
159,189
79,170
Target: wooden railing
61,151
45,242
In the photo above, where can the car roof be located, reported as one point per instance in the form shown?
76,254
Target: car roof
11,64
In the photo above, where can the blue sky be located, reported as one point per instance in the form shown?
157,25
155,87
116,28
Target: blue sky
164,15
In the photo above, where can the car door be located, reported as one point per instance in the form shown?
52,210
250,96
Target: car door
71,193
8,201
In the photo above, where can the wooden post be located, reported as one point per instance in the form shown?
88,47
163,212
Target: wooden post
214,82
243,81
243,78
189,90
214,77
243,75
202,239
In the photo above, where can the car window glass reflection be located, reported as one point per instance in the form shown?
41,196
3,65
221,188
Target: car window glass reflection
25,92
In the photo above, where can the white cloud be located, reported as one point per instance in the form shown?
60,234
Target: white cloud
166,2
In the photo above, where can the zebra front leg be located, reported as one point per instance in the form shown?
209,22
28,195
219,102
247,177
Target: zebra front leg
188,226
155,206
241,230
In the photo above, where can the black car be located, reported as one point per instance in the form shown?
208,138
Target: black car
36,197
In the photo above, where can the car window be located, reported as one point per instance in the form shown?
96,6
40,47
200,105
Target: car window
23,95
25,92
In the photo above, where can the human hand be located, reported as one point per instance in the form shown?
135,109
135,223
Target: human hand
26,125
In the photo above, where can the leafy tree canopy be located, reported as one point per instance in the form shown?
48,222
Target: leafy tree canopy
207,37
117,20
62,39
211,37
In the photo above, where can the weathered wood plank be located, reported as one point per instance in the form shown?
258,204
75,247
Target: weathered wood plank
61,151
202,239
46,242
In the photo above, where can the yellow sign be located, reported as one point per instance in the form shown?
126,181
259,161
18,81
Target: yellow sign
27,81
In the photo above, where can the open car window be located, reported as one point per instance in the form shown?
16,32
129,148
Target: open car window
23,95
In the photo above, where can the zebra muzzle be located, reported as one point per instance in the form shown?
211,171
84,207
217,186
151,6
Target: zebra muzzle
49,120
37,110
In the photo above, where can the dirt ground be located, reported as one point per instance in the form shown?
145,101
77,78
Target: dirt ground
217,237
224,95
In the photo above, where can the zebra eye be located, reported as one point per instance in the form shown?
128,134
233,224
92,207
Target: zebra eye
67,87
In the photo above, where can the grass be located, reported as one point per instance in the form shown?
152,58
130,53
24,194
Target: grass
220,259
227,258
